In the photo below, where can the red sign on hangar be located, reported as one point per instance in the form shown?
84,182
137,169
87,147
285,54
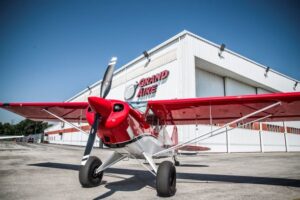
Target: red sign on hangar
147,86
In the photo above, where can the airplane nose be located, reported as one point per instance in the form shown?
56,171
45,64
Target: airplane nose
100,105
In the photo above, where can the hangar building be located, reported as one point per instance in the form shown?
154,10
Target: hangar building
187,66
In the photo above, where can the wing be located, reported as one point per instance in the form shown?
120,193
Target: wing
70,111
220,110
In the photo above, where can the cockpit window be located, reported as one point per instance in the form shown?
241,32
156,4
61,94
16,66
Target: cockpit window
151,118
139,105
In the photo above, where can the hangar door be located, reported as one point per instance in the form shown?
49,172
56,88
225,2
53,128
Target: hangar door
233,87
208,84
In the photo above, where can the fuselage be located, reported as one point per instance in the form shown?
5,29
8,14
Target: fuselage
123,128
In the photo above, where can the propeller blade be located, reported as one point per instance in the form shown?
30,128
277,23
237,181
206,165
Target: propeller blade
91,139
107,79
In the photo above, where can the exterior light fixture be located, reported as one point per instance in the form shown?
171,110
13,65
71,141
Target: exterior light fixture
266,72
222,48
90,90
146,56
295,85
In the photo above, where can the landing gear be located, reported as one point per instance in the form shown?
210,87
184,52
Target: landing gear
166,179
87,175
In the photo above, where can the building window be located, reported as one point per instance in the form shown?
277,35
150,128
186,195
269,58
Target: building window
273,128
293,130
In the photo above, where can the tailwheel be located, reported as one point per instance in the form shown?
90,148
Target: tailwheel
176,162
166,179
87,175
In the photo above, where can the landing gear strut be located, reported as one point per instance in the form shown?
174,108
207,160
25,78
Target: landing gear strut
166,179
87,173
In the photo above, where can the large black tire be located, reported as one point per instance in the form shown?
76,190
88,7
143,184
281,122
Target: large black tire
166,179
87,176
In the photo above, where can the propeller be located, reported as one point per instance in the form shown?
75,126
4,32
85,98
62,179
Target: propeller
107,79
104,90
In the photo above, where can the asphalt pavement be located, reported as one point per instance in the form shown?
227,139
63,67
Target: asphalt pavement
45,171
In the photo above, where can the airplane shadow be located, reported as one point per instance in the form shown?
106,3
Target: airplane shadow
142,178
57,165
182,165
192,165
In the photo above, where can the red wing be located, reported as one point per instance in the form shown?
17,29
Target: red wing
70,111
224,109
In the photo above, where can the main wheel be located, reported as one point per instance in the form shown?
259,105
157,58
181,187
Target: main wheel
87,175
166,179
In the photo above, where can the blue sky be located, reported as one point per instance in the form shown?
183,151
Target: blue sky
52,49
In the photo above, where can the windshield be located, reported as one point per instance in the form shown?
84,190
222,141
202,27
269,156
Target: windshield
139,105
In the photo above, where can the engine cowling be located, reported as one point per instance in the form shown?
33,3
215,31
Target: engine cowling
114,119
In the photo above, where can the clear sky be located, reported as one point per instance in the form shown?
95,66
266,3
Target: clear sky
52,49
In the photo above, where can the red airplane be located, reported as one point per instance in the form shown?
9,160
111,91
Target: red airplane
133,133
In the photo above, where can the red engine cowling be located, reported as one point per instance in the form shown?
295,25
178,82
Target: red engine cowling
114,119
90,115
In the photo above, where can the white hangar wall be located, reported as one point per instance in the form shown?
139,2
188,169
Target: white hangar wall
196,70
233,74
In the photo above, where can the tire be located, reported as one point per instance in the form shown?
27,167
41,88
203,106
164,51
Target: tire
87,177
166,179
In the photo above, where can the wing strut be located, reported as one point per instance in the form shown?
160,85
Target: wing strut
218,133
211,132
63,120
